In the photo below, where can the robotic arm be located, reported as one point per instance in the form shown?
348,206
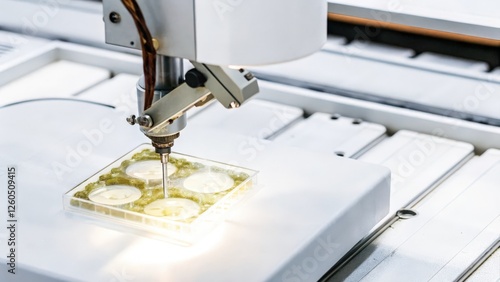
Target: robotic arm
230,87
165,118
215,32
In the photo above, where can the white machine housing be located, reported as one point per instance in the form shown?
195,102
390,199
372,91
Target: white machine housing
225,32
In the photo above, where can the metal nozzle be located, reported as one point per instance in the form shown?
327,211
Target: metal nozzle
164,166
164,157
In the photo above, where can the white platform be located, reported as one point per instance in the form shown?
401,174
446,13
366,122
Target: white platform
417,162
489,270
298,225
455,225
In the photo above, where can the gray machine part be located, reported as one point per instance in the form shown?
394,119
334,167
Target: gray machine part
169,75
229,86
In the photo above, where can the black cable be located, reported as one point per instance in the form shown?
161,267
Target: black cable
57,99
148,50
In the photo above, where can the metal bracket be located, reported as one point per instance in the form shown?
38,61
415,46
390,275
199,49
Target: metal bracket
183,97
231,87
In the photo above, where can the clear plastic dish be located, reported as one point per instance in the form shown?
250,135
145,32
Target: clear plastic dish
201,192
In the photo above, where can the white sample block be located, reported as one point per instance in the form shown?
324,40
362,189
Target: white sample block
324,133
417,162
455,224
119,91
257,118
302,216
449,61
61,79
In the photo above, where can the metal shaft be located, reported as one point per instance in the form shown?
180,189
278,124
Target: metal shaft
164,166
169,73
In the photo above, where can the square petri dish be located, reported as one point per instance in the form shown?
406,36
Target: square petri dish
128,195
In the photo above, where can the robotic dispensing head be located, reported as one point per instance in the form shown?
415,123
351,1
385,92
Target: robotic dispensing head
215,32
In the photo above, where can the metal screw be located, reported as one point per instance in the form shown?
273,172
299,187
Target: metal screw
156,44
145,121
114,17
249,76
131,120
234,105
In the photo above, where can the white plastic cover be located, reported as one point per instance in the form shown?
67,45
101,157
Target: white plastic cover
257,32
225,32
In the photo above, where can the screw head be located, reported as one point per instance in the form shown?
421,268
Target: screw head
145,121
114,17
131,120
234,105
